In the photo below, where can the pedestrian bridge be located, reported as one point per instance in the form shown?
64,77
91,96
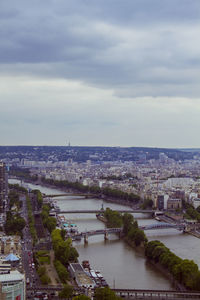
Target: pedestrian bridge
163,225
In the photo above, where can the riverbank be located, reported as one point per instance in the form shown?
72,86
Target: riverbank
115,256
165,273
170,265
84,194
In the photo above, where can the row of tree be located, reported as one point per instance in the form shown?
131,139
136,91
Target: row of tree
183,270
31,220
38,196
22,173
64,253
48,222
107,191
61,271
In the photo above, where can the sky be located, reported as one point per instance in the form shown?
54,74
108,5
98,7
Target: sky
100,73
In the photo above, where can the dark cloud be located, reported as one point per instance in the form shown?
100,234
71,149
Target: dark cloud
136,47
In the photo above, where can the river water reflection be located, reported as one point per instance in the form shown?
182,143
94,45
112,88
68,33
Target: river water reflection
122,266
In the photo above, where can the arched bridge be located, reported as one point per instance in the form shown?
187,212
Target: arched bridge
100,231
107,231
162,225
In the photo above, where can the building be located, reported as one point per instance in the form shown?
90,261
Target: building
160,202
12,285
3,186
163,157
196,202
174,204
10,244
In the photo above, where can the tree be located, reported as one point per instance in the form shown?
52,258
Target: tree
158,251
63,233
150,246
45,279
73,254
51,223
14,224
114,218
66,292
148,203
139,237
127,222
105,294
61,270
81,297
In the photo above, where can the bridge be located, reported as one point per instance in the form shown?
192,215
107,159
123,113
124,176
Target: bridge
156,294
69,194
163,225
107,231
98,211
130,293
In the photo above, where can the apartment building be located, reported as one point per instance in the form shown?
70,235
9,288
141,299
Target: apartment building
3,186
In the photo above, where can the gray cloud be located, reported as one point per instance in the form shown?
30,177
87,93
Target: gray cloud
109,44
115,72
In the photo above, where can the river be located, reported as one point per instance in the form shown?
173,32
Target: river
122,266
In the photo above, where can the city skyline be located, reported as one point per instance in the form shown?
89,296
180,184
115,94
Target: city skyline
100,73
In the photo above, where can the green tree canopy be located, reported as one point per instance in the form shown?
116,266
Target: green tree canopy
66,292
105,294
81,297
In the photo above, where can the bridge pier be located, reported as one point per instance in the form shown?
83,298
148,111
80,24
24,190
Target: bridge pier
106,236
85,239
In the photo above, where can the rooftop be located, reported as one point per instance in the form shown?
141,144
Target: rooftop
12,276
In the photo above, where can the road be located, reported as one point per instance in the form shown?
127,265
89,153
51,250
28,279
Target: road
27,250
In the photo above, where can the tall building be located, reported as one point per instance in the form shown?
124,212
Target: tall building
160,202
3,186
163,157
12,285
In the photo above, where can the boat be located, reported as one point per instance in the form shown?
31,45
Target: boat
94,275
86,264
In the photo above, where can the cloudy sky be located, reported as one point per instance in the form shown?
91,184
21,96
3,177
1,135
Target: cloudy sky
100,72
